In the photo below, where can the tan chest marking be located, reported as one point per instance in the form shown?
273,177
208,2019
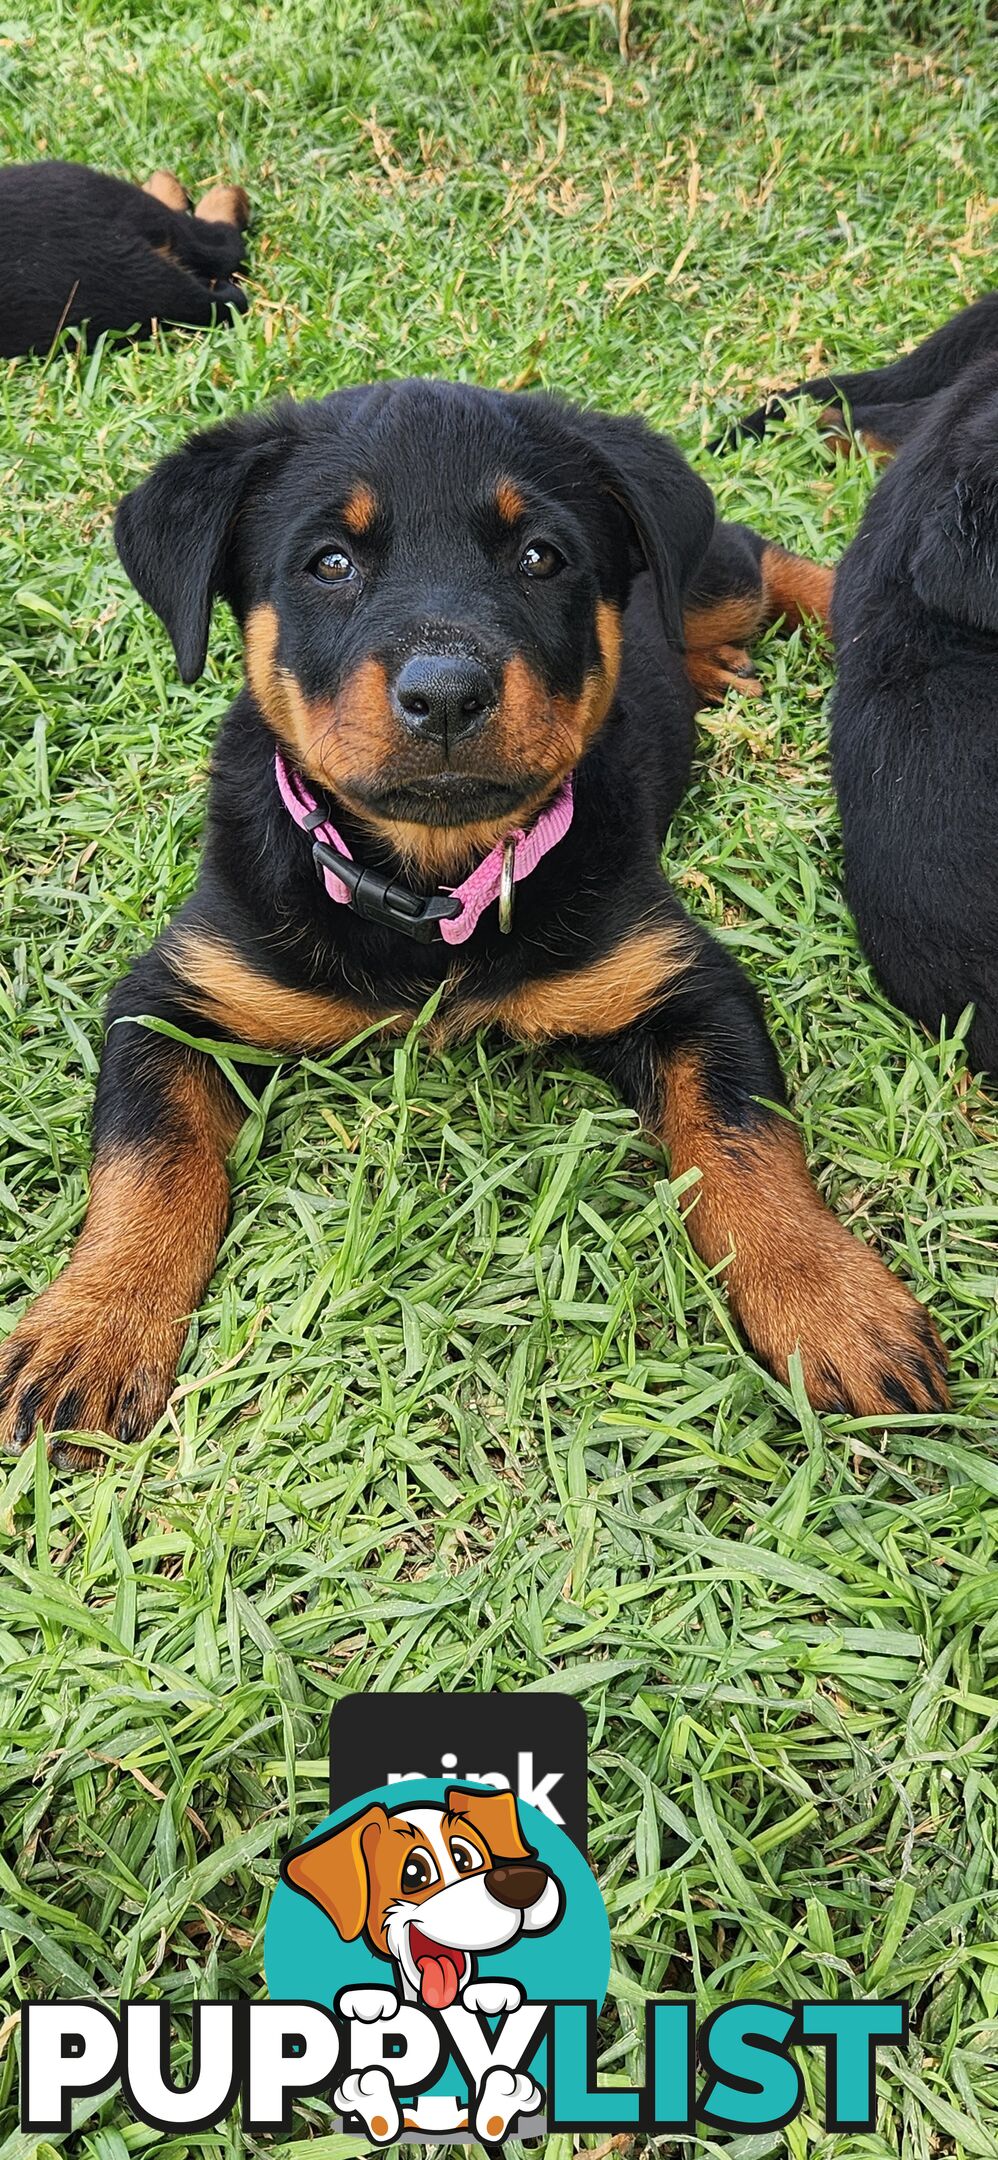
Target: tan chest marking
611,993
250,1007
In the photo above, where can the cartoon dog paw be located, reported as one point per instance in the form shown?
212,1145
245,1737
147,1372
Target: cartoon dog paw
504,2095
367,2004
371,2095
492,1996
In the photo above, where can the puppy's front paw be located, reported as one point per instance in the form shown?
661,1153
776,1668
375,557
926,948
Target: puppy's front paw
82,1362
867,1346
505,2094
370,2094
367,2004
493,1997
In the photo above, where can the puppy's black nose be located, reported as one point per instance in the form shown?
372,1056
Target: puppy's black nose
518,1884
443,696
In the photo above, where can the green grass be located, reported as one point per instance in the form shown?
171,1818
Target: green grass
461,1409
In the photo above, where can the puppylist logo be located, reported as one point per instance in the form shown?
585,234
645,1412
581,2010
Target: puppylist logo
437,1956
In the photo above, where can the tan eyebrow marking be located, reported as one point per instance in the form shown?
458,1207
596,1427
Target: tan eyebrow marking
509,502
360,508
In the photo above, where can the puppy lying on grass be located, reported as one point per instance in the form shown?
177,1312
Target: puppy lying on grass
84,250
466,708
915,717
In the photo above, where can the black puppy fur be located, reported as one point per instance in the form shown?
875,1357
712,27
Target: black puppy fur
915,717
83,249
884,405
547,550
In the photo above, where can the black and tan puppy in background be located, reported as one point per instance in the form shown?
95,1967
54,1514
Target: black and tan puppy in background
465,726
81,249
915,717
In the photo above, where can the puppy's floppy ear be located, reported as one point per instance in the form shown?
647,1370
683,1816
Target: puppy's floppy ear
173,532
495,1818
671,510
334,1870
954,568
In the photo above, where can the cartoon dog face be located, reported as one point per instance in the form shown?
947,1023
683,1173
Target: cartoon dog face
430,1887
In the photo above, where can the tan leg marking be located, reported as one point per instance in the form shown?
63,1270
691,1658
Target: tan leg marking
716,635
251,1008
732,619
166,188
794,1276
225,206
832,422
97,1352
796,588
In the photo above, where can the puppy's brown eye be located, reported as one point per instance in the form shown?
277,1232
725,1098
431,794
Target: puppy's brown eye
541,560
418,1872
333,567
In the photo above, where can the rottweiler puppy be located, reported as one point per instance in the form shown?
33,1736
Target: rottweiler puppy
915,717
882,407
465,726
86,250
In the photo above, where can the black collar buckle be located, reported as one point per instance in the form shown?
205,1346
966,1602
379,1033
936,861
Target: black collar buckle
382,900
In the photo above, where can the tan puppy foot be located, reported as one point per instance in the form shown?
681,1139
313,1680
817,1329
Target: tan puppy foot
225,206
167,189
715,669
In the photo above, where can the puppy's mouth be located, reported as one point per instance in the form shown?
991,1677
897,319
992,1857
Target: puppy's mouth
441,1969
448,798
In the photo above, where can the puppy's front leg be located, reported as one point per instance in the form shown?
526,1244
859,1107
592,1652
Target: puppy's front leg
98,1350
699,1068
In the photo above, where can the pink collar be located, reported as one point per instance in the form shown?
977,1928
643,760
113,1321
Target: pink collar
381,899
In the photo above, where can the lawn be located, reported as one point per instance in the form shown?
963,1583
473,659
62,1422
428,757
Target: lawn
461,1409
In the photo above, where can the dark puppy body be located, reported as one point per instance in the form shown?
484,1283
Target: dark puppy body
83,248
884,406
915,717
450,600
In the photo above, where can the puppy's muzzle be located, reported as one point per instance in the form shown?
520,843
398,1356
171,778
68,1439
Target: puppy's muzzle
518,1884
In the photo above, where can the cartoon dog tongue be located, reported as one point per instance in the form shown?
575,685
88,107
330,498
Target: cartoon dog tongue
439,1971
